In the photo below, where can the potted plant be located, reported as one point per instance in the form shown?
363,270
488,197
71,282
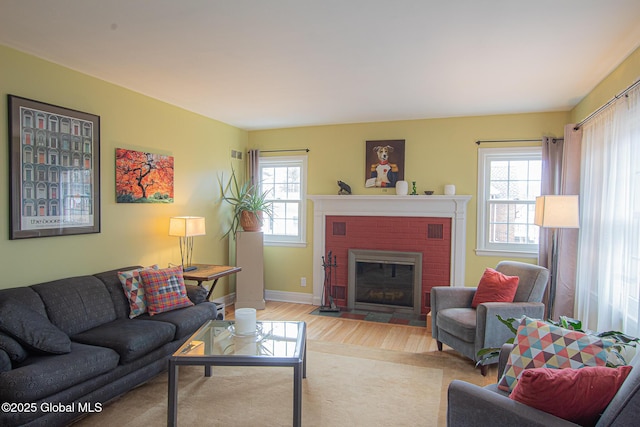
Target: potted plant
248,203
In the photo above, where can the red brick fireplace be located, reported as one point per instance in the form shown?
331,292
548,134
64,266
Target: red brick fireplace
434,226
429,236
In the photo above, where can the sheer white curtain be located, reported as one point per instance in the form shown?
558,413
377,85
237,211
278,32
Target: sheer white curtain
608,278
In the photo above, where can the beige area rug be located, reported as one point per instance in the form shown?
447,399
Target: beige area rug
346,385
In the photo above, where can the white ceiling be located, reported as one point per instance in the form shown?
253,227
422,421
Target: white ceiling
259,64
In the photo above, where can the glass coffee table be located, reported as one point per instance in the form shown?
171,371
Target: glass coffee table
217,344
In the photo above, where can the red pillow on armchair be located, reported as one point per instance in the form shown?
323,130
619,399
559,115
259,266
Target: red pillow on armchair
577,395
495,287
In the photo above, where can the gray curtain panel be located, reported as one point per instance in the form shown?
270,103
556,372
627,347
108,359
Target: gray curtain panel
561,175
254,166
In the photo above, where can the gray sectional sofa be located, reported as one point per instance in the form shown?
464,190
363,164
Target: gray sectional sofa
80,348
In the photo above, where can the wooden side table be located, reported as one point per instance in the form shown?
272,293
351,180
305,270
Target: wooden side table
209,272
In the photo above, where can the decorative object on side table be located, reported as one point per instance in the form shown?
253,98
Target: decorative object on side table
186,227
248,204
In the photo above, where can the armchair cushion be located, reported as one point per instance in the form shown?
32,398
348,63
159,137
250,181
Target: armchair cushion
554,391
541,345
460,322
495,287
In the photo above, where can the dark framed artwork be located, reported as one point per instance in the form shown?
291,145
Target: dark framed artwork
384,163
54,170
143,177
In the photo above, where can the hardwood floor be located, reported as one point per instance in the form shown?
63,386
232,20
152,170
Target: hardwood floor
348,331
410,339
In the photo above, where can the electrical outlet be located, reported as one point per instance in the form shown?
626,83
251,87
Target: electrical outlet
303,281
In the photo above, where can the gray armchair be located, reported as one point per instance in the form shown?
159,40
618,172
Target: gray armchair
468,330
471,406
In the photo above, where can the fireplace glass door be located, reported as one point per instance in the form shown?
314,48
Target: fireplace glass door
385,280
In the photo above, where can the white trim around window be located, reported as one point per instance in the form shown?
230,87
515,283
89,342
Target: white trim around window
288,181
507,202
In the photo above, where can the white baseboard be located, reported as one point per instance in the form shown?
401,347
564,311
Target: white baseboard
227,300
284,296
281,296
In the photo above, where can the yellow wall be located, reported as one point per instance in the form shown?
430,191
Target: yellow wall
131,233
619,79
438,152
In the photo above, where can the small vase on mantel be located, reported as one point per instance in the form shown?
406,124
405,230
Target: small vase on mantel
402,188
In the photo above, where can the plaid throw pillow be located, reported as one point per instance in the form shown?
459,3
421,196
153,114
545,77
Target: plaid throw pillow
134,291
541,345
164,290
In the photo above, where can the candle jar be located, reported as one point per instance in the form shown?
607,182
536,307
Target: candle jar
402,188
245,321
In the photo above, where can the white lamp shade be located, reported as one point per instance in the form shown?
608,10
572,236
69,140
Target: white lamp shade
557,212
186,226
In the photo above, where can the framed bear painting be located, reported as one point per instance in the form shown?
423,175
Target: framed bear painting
384,163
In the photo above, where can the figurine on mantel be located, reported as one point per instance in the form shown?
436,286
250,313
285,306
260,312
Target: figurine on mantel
344,188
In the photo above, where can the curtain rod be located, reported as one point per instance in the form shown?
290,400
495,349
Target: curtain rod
484,141
283,151
611,101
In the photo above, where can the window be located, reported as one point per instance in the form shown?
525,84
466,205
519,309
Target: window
508,184
285,180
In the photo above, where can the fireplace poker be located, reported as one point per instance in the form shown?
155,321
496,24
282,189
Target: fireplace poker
328,304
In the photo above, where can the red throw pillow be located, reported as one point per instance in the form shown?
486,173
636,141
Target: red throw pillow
164,290
495,287
577,395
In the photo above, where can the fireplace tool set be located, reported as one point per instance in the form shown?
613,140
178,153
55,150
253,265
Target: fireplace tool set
328,305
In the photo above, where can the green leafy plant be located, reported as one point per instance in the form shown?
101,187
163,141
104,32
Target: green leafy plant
243,198
490,352
621,342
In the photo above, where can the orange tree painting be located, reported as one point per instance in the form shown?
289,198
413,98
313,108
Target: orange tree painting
143,177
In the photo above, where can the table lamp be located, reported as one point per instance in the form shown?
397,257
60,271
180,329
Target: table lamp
556,212
185,227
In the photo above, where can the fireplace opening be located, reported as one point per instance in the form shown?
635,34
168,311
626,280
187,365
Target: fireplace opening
388,281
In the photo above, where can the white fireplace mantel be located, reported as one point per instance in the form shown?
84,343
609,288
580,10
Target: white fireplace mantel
454,207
